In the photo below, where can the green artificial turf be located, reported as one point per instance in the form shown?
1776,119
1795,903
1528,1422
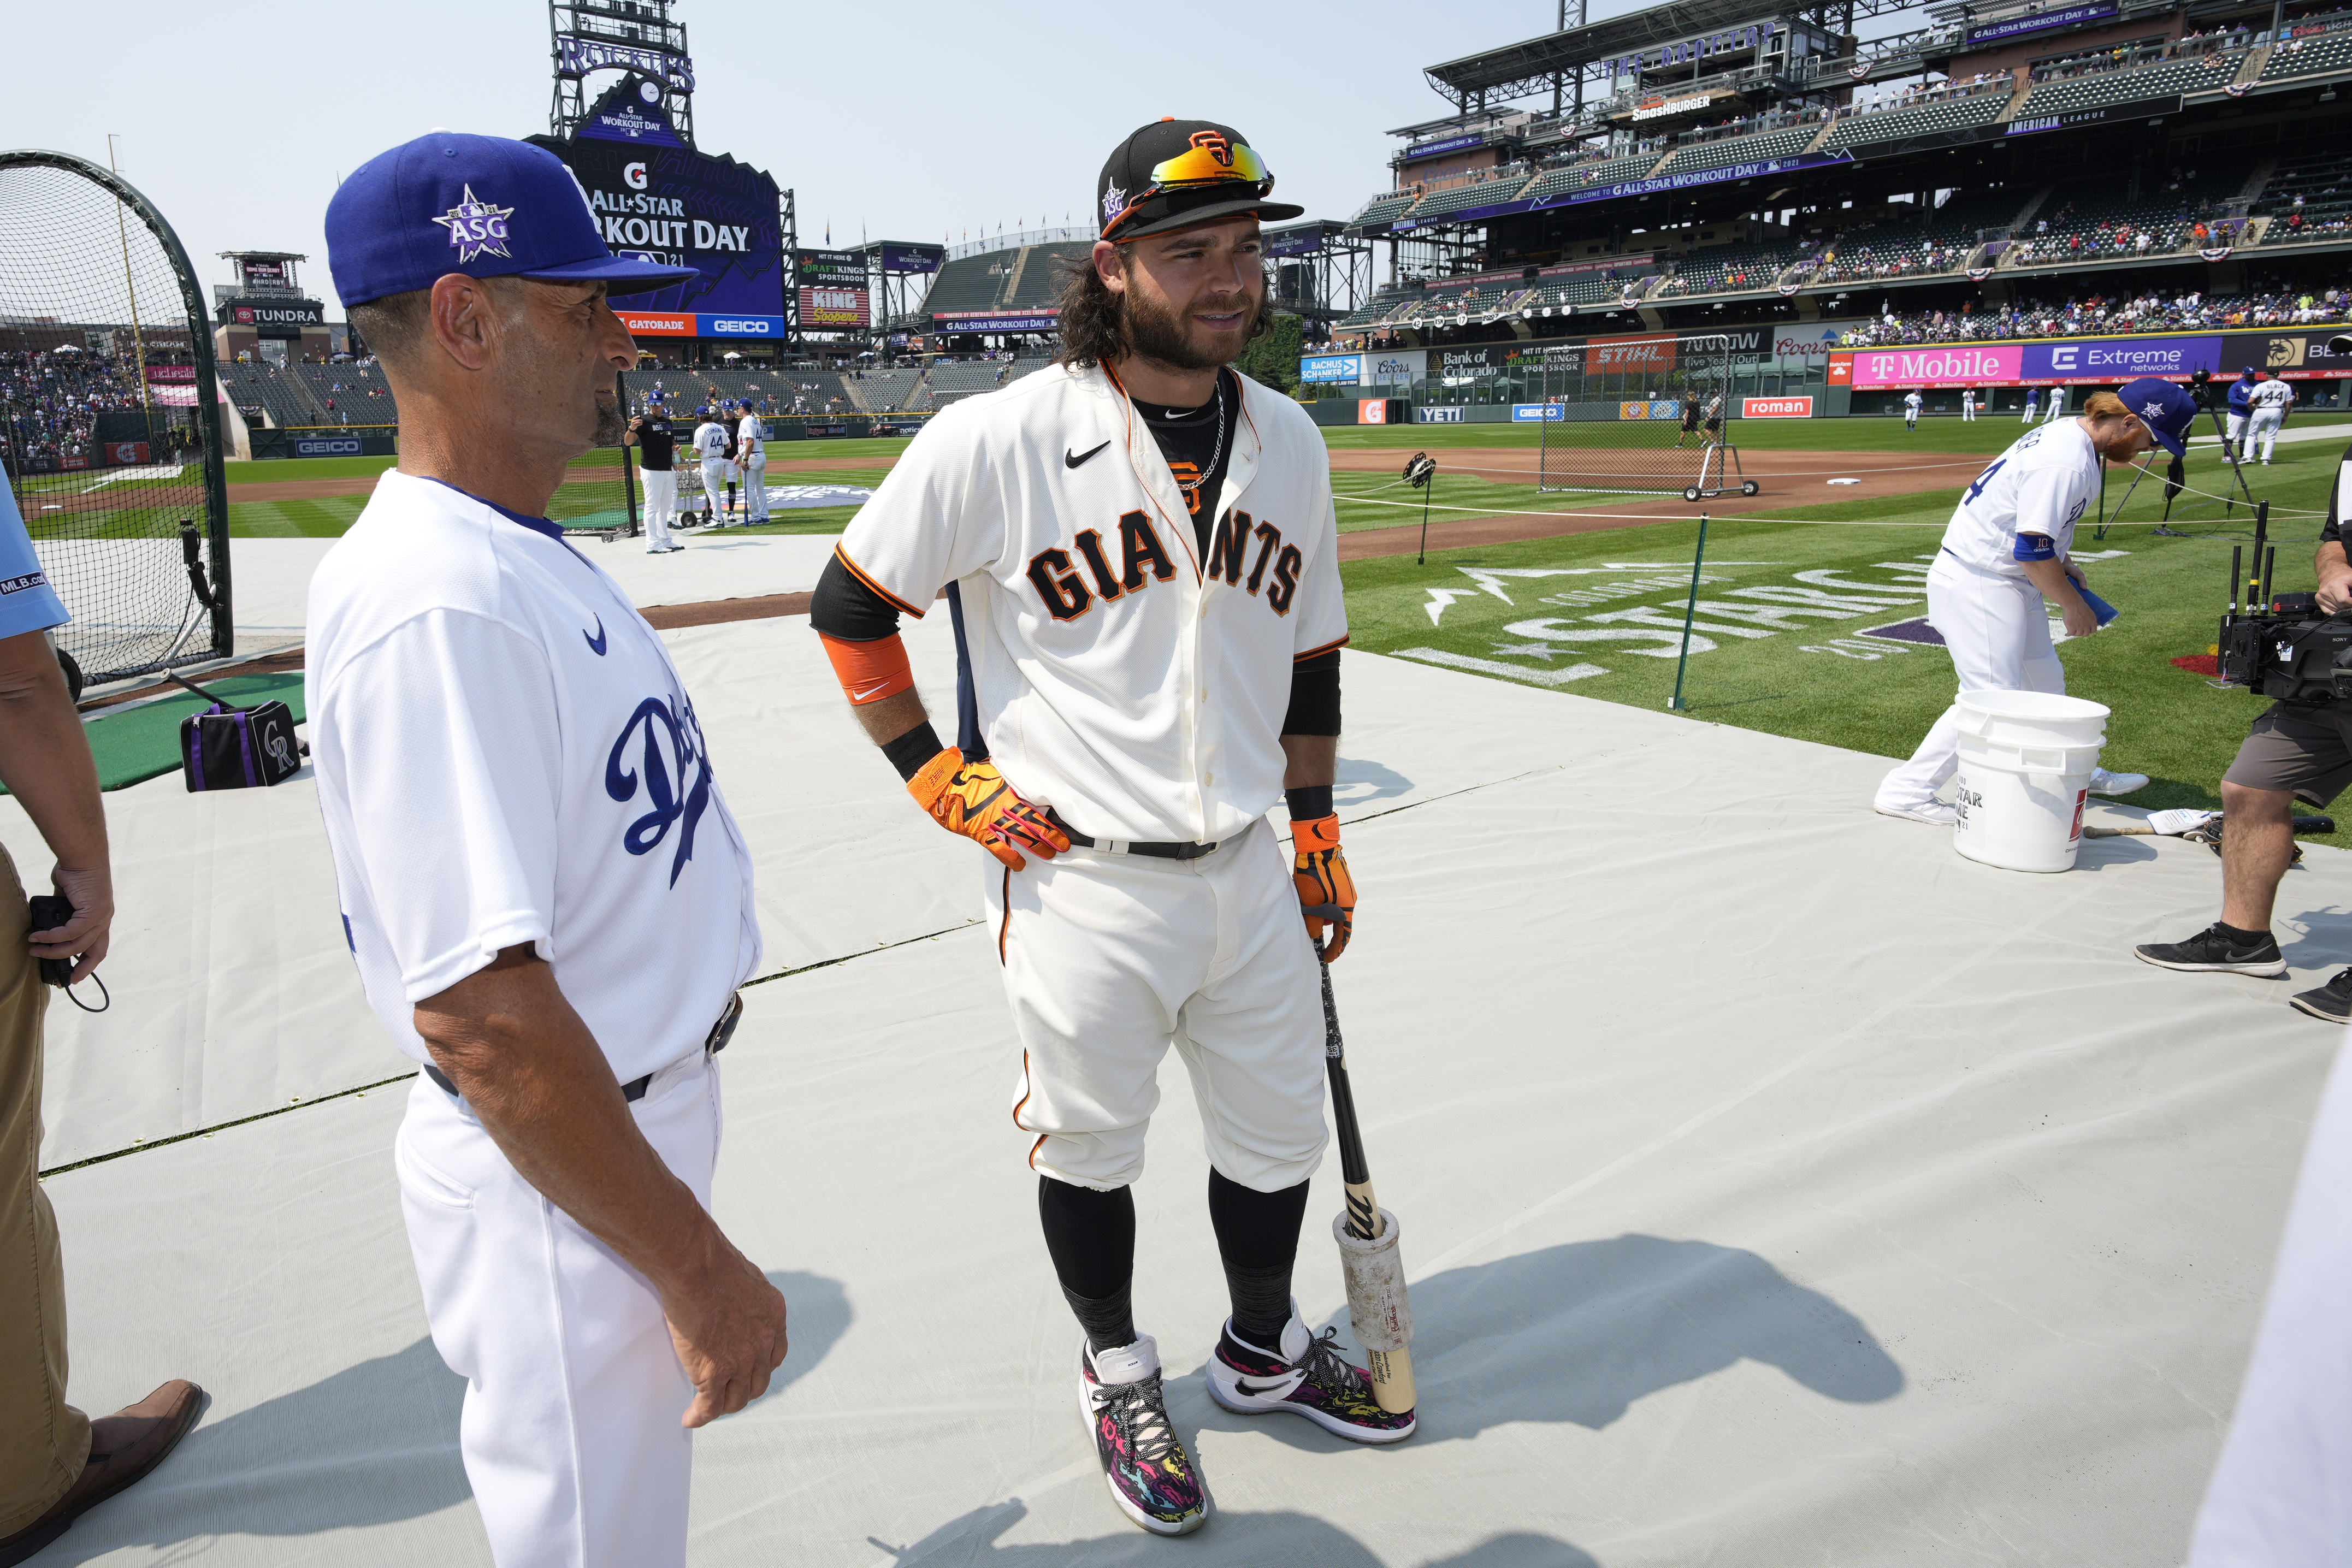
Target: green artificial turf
1815,677
143,742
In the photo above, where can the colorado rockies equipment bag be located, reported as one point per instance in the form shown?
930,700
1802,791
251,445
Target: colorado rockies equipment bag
229,747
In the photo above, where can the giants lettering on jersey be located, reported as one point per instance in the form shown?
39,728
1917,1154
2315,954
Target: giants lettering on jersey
1067,593
1233,537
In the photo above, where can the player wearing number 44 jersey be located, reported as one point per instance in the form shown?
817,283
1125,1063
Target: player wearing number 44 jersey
2006,549
1139,551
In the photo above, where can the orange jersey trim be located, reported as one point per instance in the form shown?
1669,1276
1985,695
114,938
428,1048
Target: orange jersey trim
869,672
860,574
1318,652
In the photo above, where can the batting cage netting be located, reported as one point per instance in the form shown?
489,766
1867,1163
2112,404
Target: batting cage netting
1640,415
110,426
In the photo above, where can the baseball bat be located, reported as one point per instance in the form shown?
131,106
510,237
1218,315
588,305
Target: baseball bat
1378,1306
2143,831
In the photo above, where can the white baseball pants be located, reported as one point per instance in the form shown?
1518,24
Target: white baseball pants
2056,406
2281,1496
2032,409
569,1433
714,485
2236,428
1999,636
2262,433
1109,959
1967,408
660,505
755,490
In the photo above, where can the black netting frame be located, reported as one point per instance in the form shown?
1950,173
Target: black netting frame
96,298
1614,430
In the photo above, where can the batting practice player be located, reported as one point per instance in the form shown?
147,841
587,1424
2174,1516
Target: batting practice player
713,444
2004,552
2242,392
653,436
2267,406
1912,403
751,462
548,900
1138,551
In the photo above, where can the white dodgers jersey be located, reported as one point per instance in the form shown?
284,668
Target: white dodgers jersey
506,755
1120,678
2041,485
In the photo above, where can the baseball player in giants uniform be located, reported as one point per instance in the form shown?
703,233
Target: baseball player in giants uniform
2267,407
657,439
1138,547
548,900
751,462
2004,552
2241,391
713,441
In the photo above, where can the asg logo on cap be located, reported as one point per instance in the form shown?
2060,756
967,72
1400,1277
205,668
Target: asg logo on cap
1114,202
477,228
2153,410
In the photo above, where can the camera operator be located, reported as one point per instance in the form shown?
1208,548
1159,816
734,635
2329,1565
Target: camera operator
2006,549
55,1463
2298,751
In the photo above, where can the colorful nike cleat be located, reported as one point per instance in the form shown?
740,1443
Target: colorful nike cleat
1150,1476
1309,1377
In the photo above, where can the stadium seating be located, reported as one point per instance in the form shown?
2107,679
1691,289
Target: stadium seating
1733,150
968,376
1921,119
2084,220
1900,247
2309,57
1037,282
883,391
359,394
1484,193
969,283
2202,73
1729,269
2308,198
281,396
1384,208
1599,172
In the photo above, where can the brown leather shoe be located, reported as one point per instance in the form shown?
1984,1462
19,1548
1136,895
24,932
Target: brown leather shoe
123,1446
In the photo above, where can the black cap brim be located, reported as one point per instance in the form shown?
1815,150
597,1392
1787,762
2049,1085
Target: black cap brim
1194,217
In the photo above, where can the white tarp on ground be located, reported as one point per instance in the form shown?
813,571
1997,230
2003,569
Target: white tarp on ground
271,578
1778,1188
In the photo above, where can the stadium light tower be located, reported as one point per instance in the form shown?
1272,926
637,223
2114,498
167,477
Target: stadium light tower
591,35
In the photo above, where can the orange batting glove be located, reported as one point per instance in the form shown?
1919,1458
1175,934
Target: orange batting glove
1325,889
972,798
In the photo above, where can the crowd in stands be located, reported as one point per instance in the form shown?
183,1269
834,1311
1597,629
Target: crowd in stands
2096,312
52,398
2211,46
2192,211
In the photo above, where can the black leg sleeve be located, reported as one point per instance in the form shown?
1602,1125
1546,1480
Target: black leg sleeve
1257,1238
1091,1236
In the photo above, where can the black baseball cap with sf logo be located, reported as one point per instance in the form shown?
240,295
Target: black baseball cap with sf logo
1174,174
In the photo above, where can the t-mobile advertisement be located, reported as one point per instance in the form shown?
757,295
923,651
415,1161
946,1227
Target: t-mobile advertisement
668,202
1945,366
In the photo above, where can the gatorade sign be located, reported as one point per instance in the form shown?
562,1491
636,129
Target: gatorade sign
120,454
1775,408
1372,411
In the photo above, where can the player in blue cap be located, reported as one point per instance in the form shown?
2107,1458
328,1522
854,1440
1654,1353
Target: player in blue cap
2242,392
548,900
2005,551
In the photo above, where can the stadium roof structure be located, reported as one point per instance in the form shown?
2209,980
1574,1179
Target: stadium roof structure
1514,70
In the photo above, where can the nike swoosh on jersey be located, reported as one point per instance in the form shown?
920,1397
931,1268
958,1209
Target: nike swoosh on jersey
1071,460
596,643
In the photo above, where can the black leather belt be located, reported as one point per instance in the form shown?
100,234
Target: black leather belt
1166,851
635,1089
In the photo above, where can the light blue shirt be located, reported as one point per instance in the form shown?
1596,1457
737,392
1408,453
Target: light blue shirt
28,602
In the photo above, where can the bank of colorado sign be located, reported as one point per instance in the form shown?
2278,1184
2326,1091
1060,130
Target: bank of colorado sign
1775,408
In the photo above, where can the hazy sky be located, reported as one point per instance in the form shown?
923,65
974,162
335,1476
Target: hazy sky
906,121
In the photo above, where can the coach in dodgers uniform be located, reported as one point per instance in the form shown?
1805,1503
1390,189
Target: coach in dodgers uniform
1139,549
2005,551
548,900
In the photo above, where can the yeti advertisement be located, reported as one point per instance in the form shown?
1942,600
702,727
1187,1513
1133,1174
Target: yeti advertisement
661,200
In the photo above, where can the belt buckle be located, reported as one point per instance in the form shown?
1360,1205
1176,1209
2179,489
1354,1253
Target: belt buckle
724,1030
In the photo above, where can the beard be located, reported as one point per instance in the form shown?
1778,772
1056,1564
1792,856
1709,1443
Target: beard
1159,334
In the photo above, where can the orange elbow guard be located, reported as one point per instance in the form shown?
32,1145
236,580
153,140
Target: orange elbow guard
869,671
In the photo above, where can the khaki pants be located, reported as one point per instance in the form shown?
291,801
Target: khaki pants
44,1441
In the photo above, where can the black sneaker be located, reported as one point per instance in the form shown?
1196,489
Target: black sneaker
2214,948
2332,1001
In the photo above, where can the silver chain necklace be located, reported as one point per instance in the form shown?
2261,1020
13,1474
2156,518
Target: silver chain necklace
1217,452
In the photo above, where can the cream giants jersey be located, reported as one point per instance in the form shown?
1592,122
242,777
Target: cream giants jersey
2041,485
1120,678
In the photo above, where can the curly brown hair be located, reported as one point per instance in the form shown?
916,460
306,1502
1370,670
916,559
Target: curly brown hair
1094,319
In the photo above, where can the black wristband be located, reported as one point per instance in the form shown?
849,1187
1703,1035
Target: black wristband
911,750
1308,801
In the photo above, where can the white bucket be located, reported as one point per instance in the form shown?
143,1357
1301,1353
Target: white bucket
2025,763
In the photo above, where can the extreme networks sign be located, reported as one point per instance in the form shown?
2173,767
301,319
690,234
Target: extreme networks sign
2119,359
2041,22
662,201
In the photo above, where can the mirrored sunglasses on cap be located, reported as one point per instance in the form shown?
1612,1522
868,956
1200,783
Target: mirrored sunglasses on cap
1211,160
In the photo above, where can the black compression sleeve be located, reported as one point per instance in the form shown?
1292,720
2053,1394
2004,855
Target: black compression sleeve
1314,696
845,608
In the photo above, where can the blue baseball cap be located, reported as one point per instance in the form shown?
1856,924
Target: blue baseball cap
481,206
2250,372
2164,408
